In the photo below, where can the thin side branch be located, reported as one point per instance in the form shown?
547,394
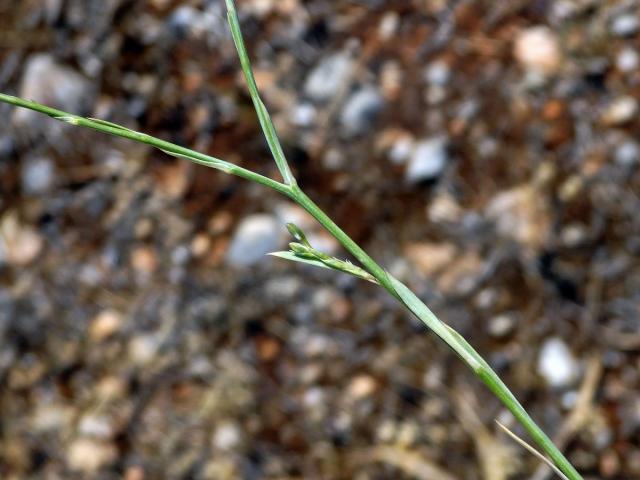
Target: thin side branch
266,123
167,147
532,450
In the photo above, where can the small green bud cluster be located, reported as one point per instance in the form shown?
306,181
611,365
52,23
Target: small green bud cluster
301,248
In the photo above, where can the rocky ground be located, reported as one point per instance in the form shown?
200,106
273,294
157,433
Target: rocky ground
485,152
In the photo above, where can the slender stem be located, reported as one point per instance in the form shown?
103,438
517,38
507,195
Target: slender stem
500,390
268,128
352,247
167,147
466,352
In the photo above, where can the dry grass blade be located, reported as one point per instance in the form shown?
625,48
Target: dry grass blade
532,450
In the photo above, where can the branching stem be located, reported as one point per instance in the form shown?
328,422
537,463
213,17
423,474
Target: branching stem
290,189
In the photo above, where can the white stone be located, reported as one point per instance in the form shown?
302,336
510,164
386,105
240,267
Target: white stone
625,25
183,18
428,160
96,426
556,363
627,153
51,417
401,149
522,214
573,234
261,7
444,209
255,236
88,455
621,110
46,81
105,324
227,436
388,25
501,325
326,78
143,348
303,115
627,60
37,175
20,244
360,110
437,73
314,398
361,386
538,49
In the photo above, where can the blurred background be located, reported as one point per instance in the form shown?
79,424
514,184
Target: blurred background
484,152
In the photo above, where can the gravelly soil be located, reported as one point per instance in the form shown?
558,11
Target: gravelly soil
485,152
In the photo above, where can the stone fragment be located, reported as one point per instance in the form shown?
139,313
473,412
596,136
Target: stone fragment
51,83
428,160
326,78
538,49
255,236
361,110
89,456
20,244
556,363
521,213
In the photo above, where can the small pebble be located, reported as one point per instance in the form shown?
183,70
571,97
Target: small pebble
107,323
361,386
538,49
501,325
20,244
144,259
96,426
134,472
314,398
386,431
51,417
303,115
182,20
200,245
143,348
401,149
521,213
569,399
37,176
627,154
487,298
407,434
227,436
556,363
361,110
437,73
625,25
388,25
573,235
620,111
49,82
430,258
444,209
627,60
255,236
328,76
428,160
89,455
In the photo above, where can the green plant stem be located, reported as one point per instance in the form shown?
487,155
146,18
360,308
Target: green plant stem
264,118
301,198
464,350
167,147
